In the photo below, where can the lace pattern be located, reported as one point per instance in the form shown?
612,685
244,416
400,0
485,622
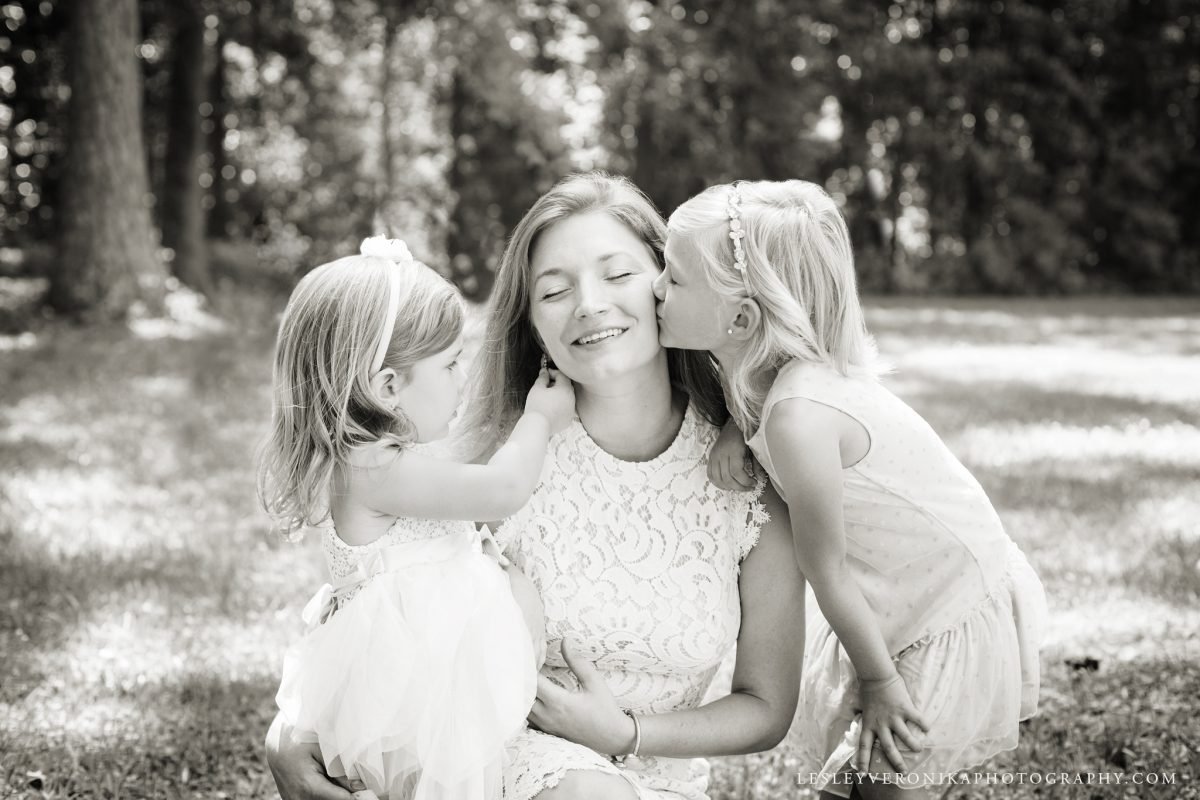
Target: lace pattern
636,562
342,559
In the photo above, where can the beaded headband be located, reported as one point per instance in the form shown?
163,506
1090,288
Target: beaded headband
396,251
737,232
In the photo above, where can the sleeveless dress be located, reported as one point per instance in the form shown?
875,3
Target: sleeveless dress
417,665
637,562
960,608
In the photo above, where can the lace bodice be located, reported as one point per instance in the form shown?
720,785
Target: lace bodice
638,563
343,559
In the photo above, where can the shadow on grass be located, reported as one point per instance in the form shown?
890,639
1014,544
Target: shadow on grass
201,736
1132,716
1162,325
126,484
952,407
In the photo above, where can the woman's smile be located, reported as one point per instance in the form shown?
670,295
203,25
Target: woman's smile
595,338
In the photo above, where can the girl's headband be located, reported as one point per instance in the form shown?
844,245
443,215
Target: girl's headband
396,251
737,233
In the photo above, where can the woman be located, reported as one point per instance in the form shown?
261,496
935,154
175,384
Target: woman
648,573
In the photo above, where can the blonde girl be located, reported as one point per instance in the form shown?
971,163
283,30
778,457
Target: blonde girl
928,659
418,664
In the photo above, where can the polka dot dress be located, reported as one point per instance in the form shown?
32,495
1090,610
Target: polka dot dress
960,608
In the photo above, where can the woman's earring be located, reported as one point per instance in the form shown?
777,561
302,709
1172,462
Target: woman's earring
729,331
543,362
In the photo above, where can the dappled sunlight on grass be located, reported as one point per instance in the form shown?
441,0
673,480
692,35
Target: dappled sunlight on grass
145,605
1132,444
1086,369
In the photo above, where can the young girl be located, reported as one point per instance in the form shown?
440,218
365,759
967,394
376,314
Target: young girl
930,649
418,664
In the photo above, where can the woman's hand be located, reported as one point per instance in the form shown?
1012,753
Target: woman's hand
589,716
886,714
730,464
297,767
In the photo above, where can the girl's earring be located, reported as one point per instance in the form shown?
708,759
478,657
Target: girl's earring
729,331
543,363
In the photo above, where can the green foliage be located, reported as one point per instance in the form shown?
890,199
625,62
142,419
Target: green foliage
1005,146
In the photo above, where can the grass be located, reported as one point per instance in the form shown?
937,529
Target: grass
144,605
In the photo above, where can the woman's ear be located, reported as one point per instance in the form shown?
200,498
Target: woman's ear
386,385
537,339
746,320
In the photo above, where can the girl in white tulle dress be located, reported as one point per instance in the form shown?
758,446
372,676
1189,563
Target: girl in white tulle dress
418,664
929,656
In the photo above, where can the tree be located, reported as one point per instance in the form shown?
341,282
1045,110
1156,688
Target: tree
183,226
106,260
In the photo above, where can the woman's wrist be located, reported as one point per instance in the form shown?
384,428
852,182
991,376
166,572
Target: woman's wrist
633,744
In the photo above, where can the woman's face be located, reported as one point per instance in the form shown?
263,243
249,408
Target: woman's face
592,301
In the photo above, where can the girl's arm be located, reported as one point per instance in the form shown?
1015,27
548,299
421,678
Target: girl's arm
805,440
406,484
414,485
766,678
730,463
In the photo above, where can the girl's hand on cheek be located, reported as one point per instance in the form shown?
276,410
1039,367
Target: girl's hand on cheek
588,716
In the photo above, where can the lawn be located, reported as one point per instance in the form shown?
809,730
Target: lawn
145,606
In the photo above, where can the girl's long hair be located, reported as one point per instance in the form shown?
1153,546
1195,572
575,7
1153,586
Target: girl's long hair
322,403
800,271
509,356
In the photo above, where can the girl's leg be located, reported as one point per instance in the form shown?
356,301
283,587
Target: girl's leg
581,784
868,789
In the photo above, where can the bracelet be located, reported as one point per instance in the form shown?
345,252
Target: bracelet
637,740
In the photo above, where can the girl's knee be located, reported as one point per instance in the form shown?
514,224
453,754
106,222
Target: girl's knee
578,784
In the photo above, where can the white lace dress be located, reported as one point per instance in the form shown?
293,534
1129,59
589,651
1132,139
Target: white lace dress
638,563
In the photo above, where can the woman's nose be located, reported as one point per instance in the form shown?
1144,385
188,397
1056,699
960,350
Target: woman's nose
591,299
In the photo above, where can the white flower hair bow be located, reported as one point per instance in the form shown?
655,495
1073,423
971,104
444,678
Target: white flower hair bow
396,251
391,249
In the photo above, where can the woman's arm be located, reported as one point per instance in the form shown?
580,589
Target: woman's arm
766,678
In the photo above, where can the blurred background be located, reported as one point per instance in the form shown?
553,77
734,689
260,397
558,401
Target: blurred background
1022,183
976,147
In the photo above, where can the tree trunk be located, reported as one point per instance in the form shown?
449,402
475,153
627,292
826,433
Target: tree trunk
106,258
183,213
220,215
385,190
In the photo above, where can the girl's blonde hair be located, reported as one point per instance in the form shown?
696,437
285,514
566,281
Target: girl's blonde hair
799,268
323,406
509,356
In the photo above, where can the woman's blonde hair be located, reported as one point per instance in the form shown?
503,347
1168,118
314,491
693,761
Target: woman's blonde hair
322,405
799,269
509,356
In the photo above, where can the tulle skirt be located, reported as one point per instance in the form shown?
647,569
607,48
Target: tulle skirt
973,684
415,683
